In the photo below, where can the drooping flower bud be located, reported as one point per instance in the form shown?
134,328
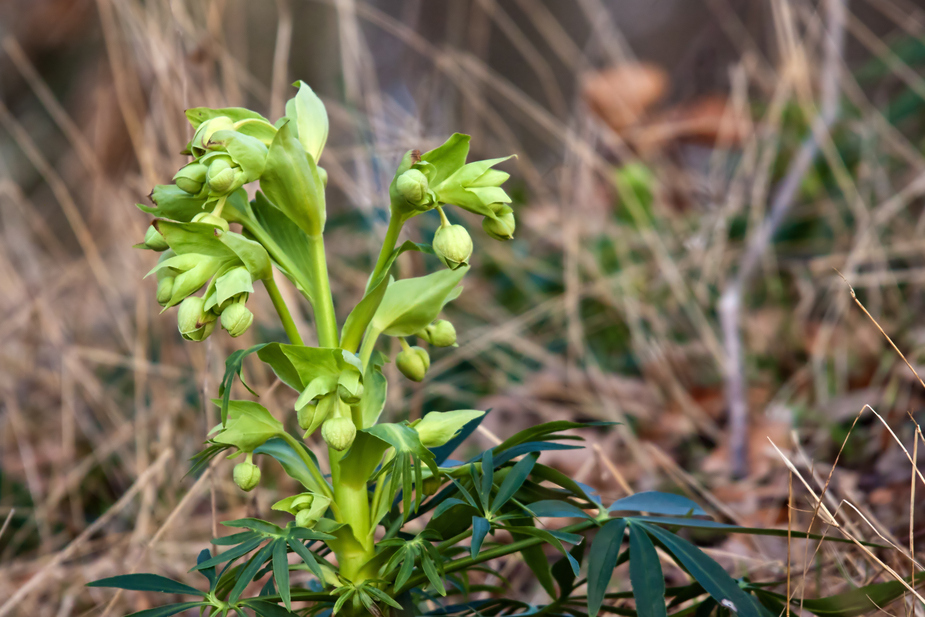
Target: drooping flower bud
306,518
164,290
307,508
191,178
413,363
501,227
351,398
246,475
221,175
211,219
338,433
441,333
437,428
413,186
453,245
154,240
305,415
236,319
193,323
205,132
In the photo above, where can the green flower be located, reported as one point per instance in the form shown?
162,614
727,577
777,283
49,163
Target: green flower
338,433
413,363
236,319
154,240
191,178
437,428
453,245
441,333
194,323
246,475
501,225
308,508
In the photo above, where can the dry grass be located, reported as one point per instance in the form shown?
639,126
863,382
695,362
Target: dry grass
597,311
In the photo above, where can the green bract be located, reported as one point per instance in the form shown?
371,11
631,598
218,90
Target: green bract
384,475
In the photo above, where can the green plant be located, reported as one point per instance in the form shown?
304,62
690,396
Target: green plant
386,475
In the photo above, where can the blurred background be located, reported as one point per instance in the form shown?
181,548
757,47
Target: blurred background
697,184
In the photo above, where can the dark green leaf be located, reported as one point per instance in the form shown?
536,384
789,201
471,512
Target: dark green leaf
488,478
247,573
646,575
512,482
655,502
146,582
255,524
281,570
168,610
480,528
430,571
705,571
302,551
550,508
601,562
563,571
232,553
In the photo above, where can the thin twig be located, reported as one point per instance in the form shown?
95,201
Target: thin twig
730,304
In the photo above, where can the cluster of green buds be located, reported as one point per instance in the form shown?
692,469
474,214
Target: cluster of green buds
229,149
441,176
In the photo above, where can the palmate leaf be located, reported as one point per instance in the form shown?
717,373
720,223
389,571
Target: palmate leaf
249,571
646,574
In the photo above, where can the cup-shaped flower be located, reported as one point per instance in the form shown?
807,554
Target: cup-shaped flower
205,131
338,433
191,178
351,398
307,508
236,319
438,427
194,323
413,363
246,475
453,245
501,225
441,333
154,240
413,187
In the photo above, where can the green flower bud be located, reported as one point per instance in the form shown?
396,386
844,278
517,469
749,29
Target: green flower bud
350,398
453,245
339,433
323,174
164,290
205,132
246,476
501,228
220,176
413,186
306,518
154,240
237,318
437,428
305,415
413,363
211,219
193,323
191,178
441,333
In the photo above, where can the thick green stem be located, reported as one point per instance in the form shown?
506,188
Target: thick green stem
353,502
325,320
488,555
369,344
284,315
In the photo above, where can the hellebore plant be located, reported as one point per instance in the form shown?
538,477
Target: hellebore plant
397,525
